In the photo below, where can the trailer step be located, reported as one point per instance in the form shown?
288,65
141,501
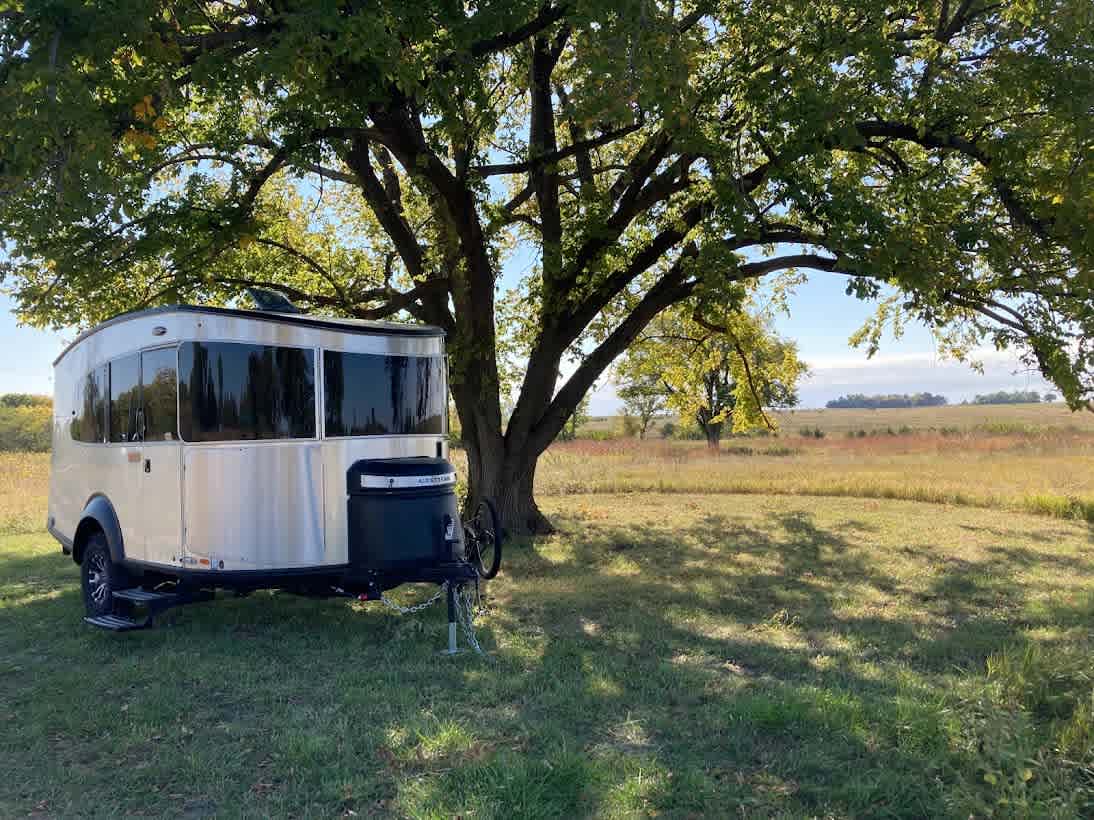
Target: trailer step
146,596
116,623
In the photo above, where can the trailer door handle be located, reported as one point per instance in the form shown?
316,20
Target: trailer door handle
148,465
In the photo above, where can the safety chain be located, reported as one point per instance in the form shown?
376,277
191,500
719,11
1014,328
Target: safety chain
465,614
466,605
410,610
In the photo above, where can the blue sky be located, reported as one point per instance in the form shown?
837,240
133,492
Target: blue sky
822,318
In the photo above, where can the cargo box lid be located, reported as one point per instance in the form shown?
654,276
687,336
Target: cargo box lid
399,474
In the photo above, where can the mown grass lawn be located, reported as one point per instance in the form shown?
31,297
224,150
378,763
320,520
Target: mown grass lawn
676,655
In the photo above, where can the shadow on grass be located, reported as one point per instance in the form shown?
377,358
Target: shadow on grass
730,668
836,712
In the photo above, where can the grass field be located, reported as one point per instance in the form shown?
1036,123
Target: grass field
736,644
922,419
963,417
24,488
725,655
1047,473
1029,458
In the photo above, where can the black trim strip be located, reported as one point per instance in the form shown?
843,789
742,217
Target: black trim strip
358,326
342,575
215,577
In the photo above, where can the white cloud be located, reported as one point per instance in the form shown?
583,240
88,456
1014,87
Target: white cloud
917,372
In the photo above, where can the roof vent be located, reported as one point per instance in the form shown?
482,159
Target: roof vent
273,301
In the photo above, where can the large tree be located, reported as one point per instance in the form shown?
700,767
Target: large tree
643,396
154,151
730,368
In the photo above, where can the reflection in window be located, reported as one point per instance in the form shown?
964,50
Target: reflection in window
239,392
369,395
91,403
160,394
125,398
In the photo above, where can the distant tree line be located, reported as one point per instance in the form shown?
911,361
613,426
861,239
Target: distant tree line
861,401
1012,397
25,422
24,400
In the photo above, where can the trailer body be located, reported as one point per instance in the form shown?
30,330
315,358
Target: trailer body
214,445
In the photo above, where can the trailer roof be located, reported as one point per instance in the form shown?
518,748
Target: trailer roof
360,326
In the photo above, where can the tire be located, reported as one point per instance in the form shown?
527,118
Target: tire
484,539
100,578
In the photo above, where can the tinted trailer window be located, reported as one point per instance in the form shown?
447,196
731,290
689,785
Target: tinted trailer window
374,395
160,391
89,425
125,398
242,392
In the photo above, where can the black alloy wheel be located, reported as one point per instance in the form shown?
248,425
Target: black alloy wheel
100,578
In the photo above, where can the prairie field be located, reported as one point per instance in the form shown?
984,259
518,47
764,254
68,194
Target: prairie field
24,490
1048,472
959,416
876,626
954,417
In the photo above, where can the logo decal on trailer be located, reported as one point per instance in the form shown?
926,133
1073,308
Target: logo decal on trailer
400,482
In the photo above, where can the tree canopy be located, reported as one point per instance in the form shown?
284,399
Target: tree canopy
643,396
384,159
1008,397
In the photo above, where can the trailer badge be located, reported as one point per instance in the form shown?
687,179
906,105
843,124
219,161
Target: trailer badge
377,482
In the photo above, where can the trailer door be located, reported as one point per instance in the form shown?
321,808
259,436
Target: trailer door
161,464
119,473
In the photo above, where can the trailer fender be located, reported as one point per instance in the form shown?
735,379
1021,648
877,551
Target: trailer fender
99,514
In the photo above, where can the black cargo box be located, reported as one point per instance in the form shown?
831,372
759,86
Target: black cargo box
402,514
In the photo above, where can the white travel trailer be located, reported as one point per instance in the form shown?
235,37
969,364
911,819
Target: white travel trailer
198,447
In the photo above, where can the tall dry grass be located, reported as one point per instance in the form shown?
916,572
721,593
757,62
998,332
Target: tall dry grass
1049,473
1018,417
24,492
961,416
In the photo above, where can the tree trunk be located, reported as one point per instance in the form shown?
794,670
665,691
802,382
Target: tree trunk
713,432
507,478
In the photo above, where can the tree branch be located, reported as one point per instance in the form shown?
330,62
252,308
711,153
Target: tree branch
394,301
547,16
327,173
1019,212
295,253
555,156
669,290
737,346
542,141
276,163
802,260
387,212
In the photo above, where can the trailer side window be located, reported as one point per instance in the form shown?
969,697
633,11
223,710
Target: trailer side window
160,389
125,398
372,395
241,392
90,422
